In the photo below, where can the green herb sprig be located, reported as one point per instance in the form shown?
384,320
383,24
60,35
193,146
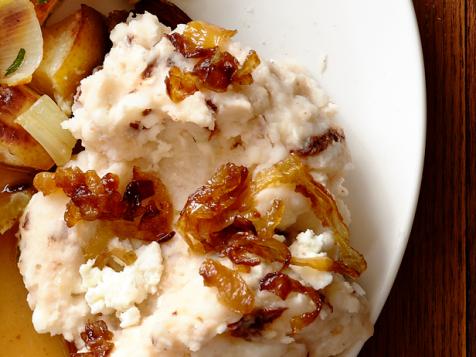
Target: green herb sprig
16,63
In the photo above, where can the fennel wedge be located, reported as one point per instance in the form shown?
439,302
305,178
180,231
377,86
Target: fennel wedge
43,122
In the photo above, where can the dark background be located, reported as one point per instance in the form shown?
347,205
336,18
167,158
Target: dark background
429,310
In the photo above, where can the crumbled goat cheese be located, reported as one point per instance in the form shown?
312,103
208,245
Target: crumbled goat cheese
108,291
311,245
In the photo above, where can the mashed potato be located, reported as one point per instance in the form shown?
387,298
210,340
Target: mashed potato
159,306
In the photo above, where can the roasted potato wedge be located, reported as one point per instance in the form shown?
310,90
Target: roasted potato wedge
17,147
44,9
73,47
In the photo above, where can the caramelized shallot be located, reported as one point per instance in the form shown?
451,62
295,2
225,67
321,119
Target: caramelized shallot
282,285
218,217
212,207
180,84
251,325
316,144
187,48
144,211
246,247
243,75
149,212
204,35
233,292
322,263
97,338
293,171
116,259
215,70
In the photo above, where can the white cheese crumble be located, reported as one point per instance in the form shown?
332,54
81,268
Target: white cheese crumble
310,245
108,291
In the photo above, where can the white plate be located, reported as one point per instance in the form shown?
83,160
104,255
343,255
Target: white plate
375,75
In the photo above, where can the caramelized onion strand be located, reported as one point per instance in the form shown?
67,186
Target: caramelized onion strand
293,171
233,291
282,285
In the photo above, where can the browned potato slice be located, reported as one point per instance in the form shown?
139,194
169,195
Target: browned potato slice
72,48
44,9
17,147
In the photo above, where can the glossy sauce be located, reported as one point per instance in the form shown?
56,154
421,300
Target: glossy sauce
17,336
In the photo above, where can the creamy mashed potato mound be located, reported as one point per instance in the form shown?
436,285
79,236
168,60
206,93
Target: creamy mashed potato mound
159,306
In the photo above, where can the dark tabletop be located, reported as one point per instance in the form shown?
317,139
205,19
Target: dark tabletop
431,309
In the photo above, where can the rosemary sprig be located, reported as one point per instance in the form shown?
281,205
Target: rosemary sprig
16,63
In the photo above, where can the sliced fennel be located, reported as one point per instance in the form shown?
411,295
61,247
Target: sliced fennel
43,122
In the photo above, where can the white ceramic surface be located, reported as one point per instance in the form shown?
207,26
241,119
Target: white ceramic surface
374,73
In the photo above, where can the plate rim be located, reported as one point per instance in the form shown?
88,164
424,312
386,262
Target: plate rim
422,113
